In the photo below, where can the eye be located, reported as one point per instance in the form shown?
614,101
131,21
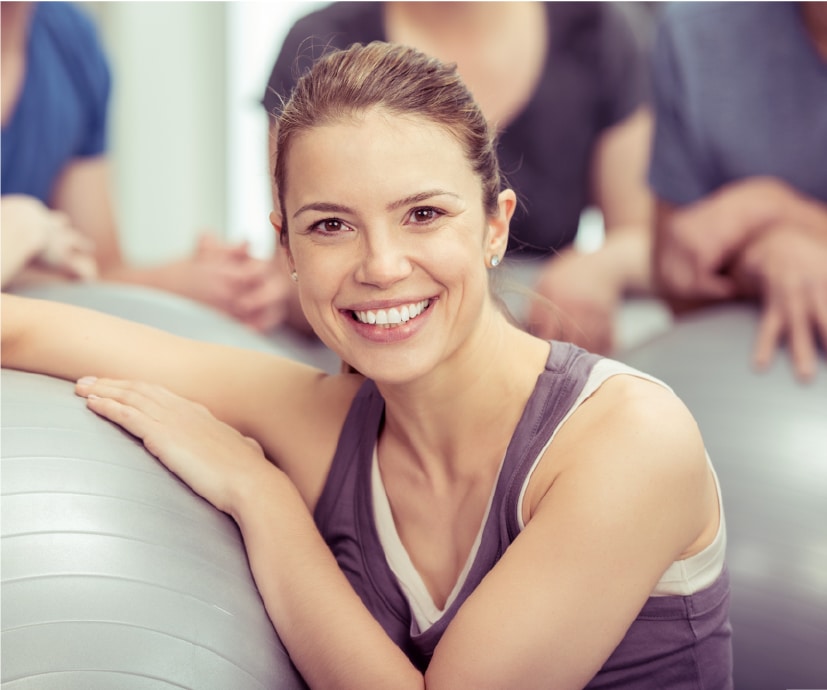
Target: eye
424,215
329,226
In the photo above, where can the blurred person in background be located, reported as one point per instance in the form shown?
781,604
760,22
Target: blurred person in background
739,166
58,220
565,86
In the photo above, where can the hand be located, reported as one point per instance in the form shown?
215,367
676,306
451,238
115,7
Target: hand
264,304
577,303
697,243
214,459
261,301
787,267
33,233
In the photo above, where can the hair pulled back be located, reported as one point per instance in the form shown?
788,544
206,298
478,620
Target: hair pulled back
399,80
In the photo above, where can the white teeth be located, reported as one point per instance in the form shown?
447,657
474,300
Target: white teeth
392,316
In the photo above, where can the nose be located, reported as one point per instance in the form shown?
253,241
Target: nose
384,259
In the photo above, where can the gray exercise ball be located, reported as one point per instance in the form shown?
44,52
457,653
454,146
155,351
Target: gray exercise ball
115,575
767,436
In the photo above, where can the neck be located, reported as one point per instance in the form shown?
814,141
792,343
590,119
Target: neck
815,20
448,18
473,400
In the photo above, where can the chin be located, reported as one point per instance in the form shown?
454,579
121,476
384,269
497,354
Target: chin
391,368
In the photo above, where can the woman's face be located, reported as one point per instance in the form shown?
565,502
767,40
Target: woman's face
390,241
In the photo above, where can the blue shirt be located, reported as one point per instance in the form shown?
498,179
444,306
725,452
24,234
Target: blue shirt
739,90
61,111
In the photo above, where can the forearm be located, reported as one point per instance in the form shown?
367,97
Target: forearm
43,337
625,258
161,277
330,635
809,214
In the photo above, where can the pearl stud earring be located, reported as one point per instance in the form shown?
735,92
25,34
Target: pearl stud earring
294,277
495,261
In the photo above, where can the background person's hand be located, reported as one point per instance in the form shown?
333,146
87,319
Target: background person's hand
261,298
786,267
575,304
265,304
33,234
697,244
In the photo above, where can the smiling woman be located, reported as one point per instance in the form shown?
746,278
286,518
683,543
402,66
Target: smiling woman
418,524
411,238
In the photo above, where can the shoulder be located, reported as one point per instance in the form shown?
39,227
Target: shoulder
69,26
298,416
631,436
638,433
74,40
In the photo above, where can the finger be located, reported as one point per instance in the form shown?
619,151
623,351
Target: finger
770,328
820,313
82,267
132,419
801,336
151,399
717,287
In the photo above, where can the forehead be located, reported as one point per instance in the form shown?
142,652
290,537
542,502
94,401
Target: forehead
377,151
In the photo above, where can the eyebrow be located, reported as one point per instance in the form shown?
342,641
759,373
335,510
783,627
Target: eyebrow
327,207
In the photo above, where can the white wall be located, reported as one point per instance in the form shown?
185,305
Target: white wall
187,132
255,33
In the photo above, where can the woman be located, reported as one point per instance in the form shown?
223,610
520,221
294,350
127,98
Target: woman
490,510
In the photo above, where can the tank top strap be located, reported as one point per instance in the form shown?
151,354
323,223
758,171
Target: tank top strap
567,370
354,450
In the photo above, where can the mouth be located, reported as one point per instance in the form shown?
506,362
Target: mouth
390,318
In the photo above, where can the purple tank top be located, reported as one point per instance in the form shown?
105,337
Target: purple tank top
675,642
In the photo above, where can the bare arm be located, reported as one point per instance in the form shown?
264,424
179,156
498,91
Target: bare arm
226,277
586,289
83,192
697,244
621,192
275,400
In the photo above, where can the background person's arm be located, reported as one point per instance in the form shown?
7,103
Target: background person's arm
584,289
215,273
697,243
37,239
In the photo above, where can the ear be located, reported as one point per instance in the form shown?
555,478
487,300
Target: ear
281,240
498,225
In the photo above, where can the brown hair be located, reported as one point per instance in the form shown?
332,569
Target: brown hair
396,78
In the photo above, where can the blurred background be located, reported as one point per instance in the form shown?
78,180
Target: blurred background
188,78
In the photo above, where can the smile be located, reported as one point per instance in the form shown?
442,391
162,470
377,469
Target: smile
393,316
